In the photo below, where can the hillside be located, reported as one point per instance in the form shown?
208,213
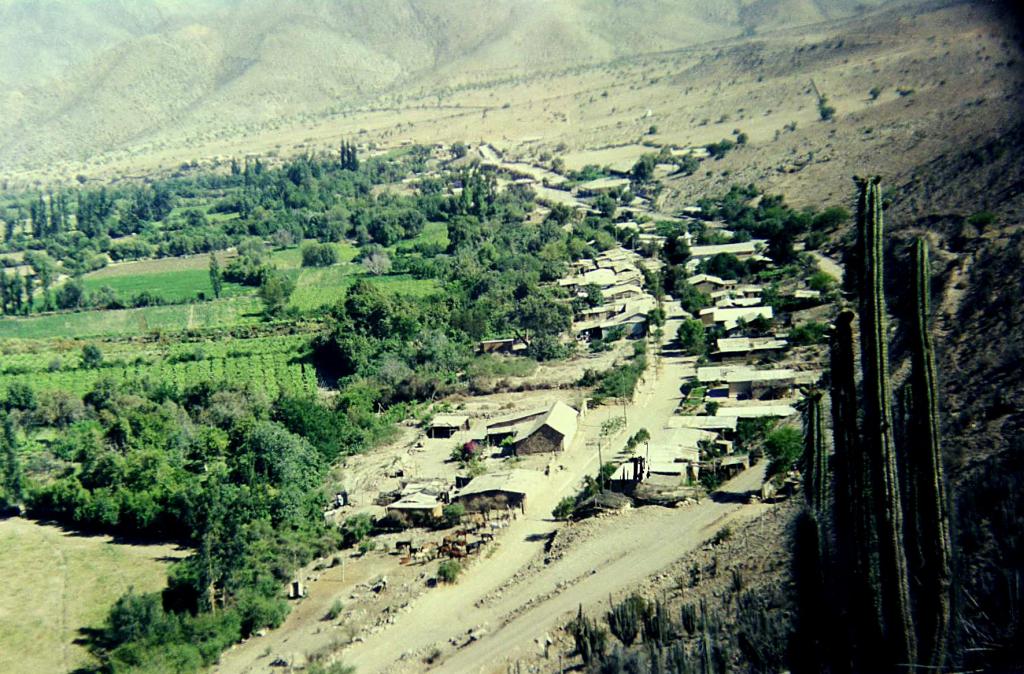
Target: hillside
85,78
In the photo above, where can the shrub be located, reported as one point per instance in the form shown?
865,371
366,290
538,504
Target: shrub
564,509
783,446
453,514
356,528
448,571
334,611
808,333
981,219
319,255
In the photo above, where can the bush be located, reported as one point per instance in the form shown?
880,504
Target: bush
783,446
334,611
453,513
356,528
319,255
808,333
448,571
564,509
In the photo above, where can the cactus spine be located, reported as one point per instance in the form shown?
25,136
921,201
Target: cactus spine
929,535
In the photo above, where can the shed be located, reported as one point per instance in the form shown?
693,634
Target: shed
553,432
508,345
447,425
415,509
760,384
498,490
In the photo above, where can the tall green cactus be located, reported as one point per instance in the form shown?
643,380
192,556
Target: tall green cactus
815,456
878,432
853,517
929,540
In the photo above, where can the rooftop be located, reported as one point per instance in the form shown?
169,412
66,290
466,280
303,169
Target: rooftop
755,411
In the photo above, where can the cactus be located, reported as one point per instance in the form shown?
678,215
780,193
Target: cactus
591,640
928,534
897,622
625,618
657,624
815,456
855,535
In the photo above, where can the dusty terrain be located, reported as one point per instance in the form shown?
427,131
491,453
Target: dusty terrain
57,582
515,592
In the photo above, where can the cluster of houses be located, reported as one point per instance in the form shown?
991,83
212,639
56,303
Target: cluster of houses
625,305
734,384
548,430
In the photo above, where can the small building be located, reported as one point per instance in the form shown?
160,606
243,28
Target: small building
706,283
296,589
498,491
447,425
416,509
744,250
746,349
622,292
756,411
507,345
729,318
553,432
760,384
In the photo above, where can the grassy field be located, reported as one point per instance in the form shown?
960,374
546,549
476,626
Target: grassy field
56,583
323,287
174,286
125,322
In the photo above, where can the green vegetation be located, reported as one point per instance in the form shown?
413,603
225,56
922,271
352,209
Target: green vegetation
448,571
808,333
783,447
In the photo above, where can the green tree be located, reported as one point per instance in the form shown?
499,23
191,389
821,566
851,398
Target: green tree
783,446
216,278
691,337
643,169
275,291
92,357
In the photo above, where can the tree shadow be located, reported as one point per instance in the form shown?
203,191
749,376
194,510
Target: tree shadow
731,496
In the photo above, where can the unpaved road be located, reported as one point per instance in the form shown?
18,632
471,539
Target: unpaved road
621,554
485,597
828,265
493,590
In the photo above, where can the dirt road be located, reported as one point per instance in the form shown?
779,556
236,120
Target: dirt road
495,588
621,554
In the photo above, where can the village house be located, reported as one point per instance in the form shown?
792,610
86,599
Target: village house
744,250
760,384
756,411
447,425
747,349
498,491
706,283
729,318
550,430
416,509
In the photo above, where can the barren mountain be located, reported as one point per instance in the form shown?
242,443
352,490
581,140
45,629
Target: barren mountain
81,78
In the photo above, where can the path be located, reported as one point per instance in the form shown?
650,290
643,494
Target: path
450,612
618,556
828,265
